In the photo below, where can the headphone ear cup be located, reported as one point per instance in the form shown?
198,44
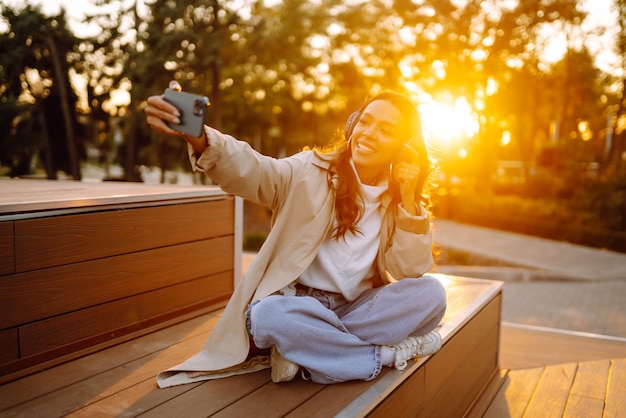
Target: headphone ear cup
350,124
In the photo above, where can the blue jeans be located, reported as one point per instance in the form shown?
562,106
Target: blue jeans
336,340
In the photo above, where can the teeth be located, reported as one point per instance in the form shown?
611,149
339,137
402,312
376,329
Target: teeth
364,147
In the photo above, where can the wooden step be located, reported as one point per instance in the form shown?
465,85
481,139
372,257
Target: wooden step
120,381
89,265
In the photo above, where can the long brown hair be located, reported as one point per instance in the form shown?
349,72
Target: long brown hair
349,204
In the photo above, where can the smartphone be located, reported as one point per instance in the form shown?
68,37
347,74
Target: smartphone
192,108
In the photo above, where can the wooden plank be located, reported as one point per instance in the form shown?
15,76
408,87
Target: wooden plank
485,325
7,248
271,400
489,392
133,401
9,345
586,398
72,373
110,320
407,400
552,391
100,386
202,400
458,393
332,399
513,397
616,389
30,197
58,240
32,296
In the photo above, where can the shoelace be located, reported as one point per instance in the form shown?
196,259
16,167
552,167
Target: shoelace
405,350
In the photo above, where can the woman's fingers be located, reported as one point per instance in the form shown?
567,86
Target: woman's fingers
159,112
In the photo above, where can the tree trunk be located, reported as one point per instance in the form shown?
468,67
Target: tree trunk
50,173
67,114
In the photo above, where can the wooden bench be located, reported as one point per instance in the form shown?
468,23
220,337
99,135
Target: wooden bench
104,285
84,266
120,381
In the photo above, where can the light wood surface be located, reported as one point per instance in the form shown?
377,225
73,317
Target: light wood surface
593,389
21,198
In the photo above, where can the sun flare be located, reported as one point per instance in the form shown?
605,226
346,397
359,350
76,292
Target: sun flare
448,124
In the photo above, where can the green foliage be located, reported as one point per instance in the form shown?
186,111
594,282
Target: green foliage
38,106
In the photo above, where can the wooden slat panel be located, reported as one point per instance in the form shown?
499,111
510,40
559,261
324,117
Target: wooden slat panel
513,397
99,386
459,392
586,398
406,401
552,391
271,400
9,345
333,399
616,389
59,240
7,247
203,400
108,319
72,375
459,350
36,295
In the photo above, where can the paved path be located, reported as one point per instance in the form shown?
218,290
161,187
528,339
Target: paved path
567,260
559,285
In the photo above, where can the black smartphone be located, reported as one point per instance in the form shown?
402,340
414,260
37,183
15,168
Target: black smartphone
192,108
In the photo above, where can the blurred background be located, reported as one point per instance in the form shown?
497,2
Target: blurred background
522,100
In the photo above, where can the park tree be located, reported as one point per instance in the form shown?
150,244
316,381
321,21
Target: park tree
39,115
149,46
617,146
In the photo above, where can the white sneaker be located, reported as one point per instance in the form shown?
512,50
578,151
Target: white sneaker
413,347
282,369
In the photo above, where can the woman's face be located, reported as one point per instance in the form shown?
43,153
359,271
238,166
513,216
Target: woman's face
376,139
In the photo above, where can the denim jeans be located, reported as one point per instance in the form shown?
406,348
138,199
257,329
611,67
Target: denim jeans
336,340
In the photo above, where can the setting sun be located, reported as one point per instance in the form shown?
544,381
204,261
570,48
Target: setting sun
448,124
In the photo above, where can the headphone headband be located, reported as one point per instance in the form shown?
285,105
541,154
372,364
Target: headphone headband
350,124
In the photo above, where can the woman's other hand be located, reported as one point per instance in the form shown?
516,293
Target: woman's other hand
407,173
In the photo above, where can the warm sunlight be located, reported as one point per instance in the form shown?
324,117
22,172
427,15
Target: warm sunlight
449,123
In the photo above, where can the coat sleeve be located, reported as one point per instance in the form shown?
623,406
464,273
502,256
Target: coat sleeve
240,170
410,254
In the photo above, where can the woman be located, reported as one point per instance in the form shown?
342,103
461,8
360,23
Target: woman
337,290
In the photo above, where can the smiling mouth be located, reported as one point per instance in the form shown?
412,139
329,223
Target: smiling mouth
365,148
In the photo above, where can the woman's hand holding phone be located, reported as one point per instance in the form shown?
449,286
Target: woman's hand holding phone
179,113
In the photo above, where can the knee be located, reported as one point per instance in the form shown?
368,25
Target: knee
435,289
266,309
428,288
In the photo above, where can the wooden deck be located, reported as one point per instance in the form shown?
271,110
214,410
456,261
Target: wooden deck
580,389
120,381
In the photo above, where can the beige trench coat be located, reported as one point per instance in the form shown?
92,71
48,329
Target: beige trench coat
296,189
